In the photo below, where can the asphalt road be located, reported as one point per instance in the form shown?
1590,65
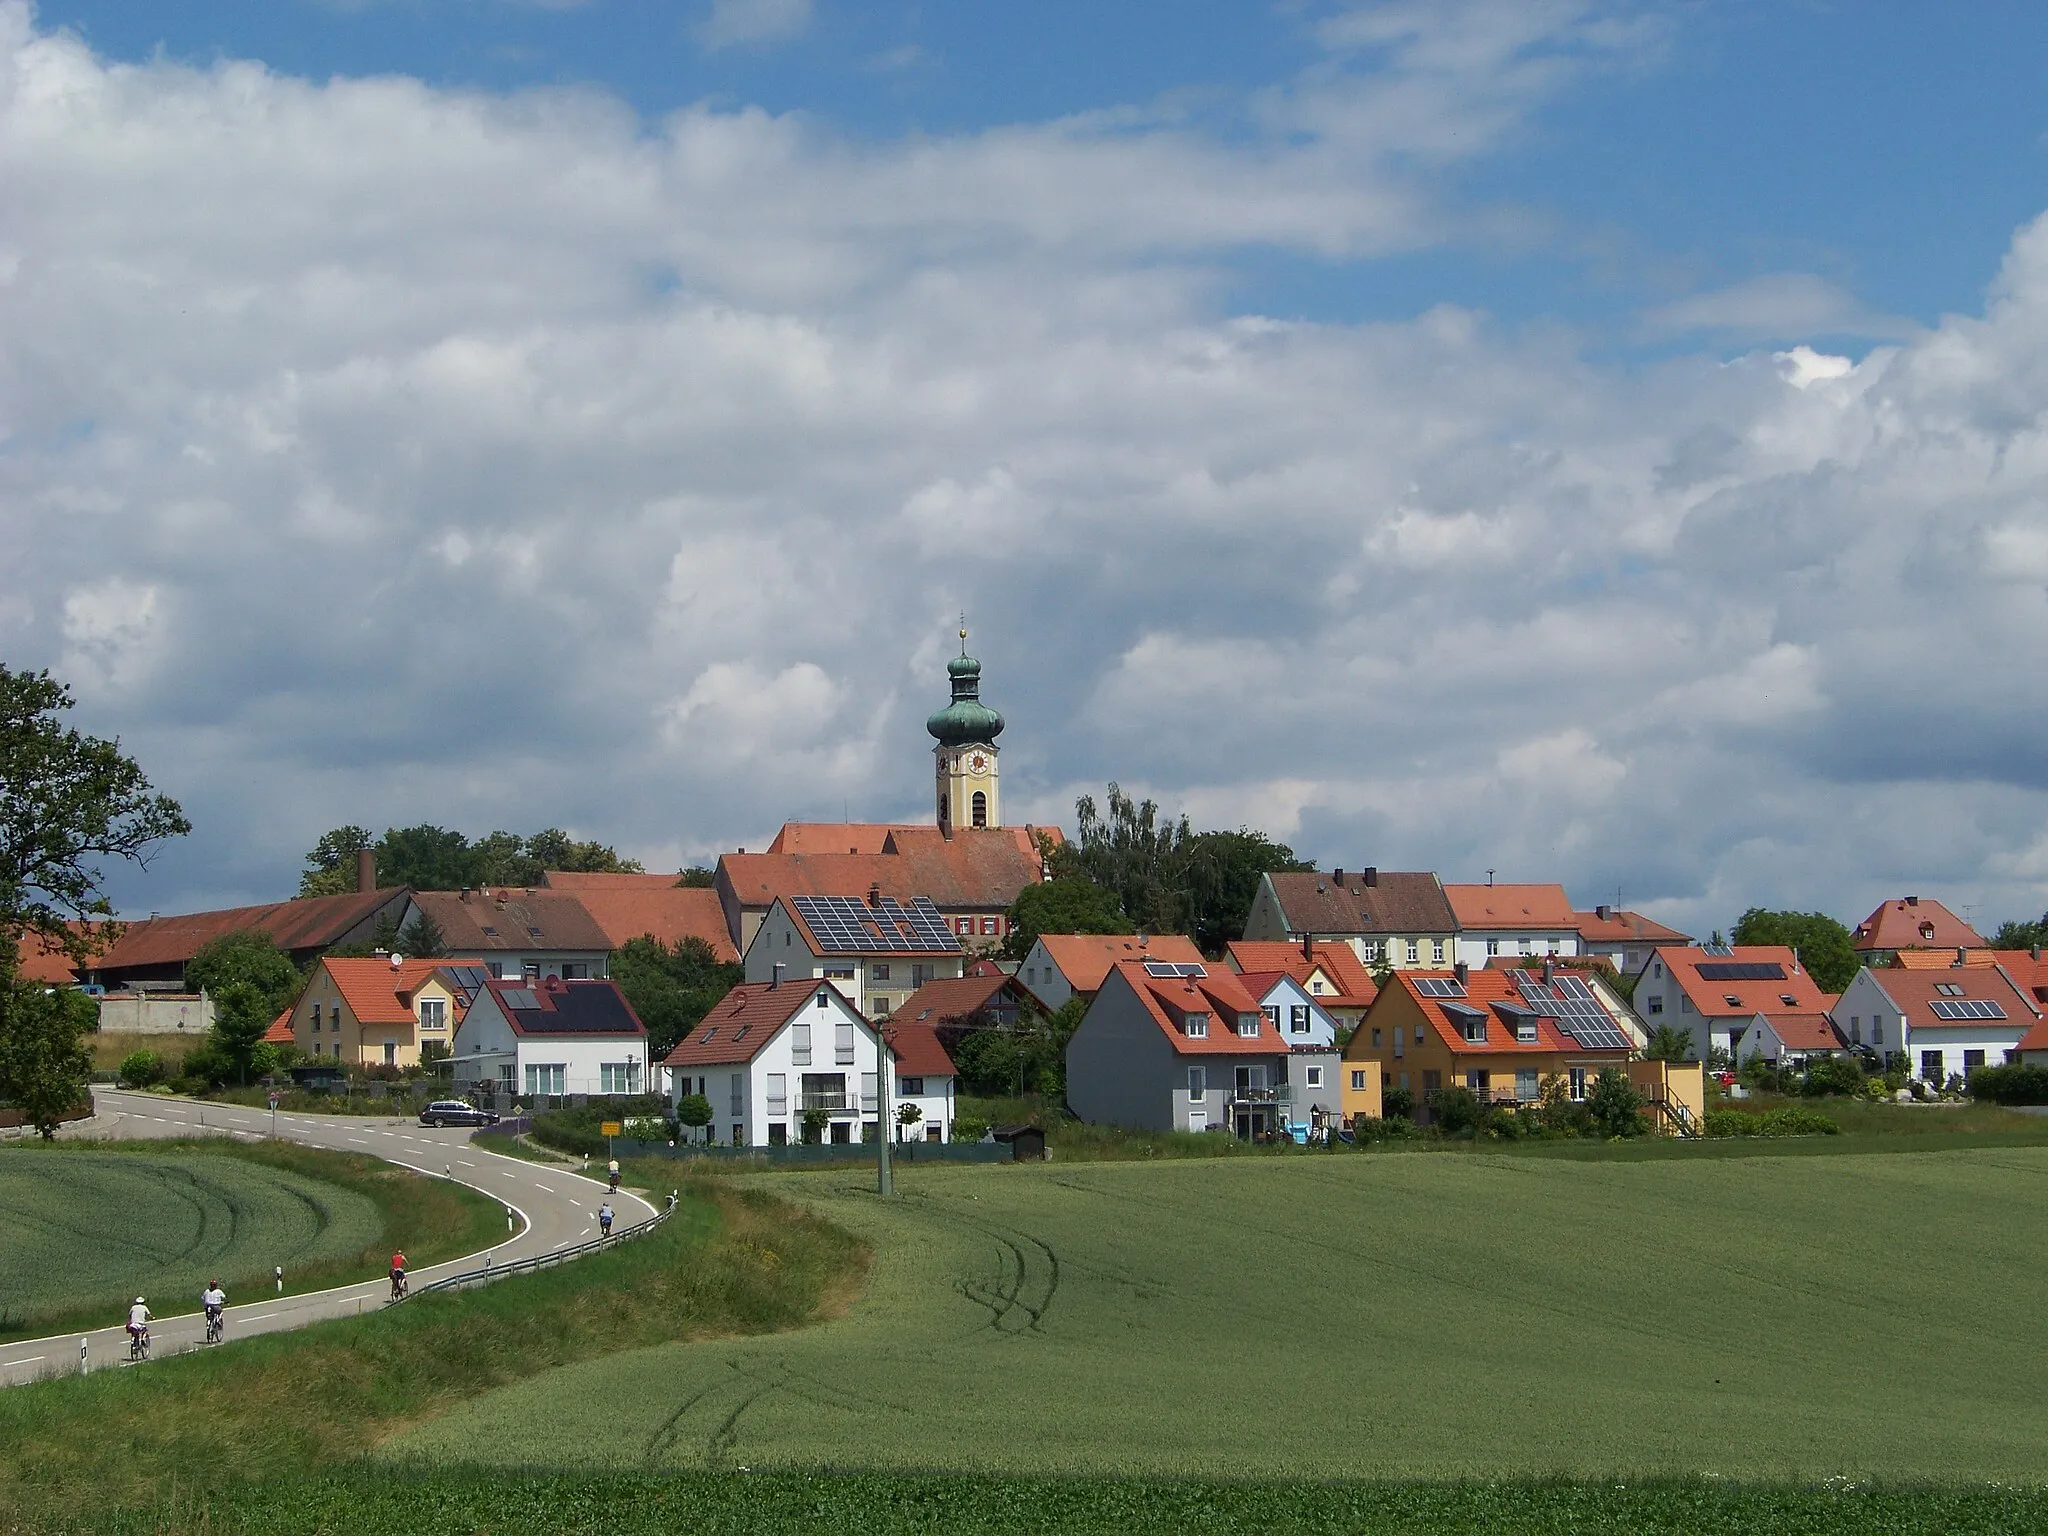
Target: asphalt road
553,1207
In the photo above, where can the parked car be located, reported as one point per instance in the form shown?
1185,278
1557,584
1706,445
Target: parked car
456,1112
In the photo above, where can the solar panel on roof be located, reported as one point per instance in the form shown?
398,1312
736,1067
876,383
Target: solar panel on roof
1571,1003
521,999
1742,970
1161,969
1718,949
1439,986
1966,1008
847,925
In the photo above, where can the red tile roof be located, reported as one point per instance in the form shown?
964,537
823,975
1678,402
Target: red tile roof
589,1007
1084,959
44,962
377,992
971,869
950,997
1345,971
1710,994
834,836
1625,928
1806,1031
745,1020
1511,906
1220,994
916,1048
653,906
1914,993
498,919
313,922
280,1031
1942,959
1482,990
1914,923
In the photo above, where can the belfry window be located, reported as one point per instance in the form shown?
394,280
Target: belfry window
980,809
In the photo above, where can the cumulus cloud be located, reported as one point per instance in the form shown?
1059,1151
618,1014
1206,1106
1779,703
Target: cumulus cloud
375,452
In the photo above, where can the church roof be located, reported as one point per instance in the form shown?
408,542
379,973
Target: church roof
966,720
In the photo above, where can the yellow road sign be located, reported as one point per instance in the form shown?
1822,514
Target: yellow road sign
611,1128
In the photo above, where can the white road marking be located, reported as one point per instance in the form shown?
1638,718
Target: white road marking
540,1186
31,1360
465,1162
358,1141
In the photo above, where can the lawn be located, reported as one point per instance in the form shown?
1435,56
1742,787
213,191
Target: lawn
89,1227
1355,1316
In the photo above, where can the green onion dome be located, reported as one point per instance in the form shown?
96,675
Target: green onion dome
966,719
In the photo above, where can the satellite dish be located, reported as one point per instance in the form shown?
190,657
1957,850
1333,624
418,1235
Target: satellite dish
396,959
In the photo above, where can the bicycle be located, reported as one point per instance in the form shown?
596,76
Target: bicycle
215,1325
138,1344
399,1288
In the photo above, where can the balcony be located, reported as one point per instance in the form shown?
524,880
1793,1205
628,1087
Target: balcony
827,1101
1276,1093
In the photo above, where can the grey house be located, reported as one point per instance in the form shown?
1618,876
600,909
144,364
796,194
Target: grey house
1178,1046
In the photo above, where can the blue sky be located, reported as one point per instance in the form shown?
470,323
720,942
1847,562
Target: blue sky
1891,149
1600,442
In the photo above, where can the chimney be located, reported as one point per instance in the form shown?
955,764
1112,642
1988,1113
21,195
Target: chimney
366,869
1962,956
1912,901
775,980
875,895
1308,949
2037,952
1462,971
467,893
1372,875
1338,875
1549,970
1605,914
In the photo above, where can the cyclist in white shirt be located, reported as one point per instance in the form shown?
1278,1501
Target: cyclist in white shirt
213,1298
138,1319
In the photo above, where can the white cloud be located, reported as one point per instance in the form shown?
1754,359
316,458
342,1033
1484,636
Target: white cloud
736,22
1774,306
389,453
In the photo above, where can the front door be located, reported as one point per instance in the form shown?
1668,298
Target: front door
390,1053
1252,1124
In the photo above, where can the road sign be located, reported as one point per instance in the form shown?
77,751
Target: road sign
273,1101
611,1128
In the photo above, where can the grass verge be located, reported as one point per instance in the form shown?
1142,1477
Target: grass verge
280,1406
457,1502
430,1219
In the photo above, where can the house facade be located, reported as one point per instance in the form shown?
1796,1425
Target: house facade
1790,1038
381,1011
1179,1046
1625,940
628,907
1512,920
1334,976
1713,994
1062,966
774,1057
1946,1023
1498,1033
550,1039
878,952
1399,918
517,934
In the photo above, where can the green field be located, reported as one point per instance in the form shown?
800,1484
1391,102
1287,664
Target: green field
1369,1317
84,1226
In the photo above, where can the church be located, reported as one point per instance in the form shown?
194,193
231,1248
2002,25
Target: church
966,862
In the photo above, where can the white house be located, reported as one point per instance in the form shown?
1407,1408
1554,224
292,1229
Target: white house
551,1038
876,952
1946,1023
1713,994
1514,920
1789,1037
773,1052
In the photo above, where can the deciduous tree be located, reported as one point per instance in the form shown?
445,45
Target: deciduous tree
1072,904
44,1060
1823,945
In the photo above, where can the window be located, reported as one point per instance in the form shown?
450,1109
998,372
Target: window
836,973
1248,1025
878,973
1493,946
1195,1025
1198,1084
1372,953
1415,951
1972,1060
1358,1082
990,924
1418,1034
778,1093
1314,1077
1855,1031
980,809
1399,1037
1930,1067
496,968
842,1045
1250,1080
391,1054
739,1134
1788,999
575,970
316,1018
1475,1031
963,925
1526,1091
1525,1031
1949,988
1877,1029
1522,945
800,1040
617,1077
1656,1003
709,1035
1684,1003
1273,1012
505,1076
778,1135
1436,951
1315,985
1731,999
870,1089
433,1013
1297,1019
1478,1082
1375,1034
1578,1084
824,1090
736,1087
878,1005
910,1087
546,1080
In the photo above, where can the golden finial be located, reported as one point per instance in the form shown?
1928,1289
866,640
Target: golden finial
963,634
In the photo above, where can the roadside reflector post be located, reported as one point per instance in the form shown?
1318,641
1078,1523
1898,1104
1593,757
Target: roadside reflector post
509,1219
81,1357
279,1272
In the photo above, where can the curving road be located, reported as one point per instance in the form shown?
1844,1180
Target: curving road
552,1208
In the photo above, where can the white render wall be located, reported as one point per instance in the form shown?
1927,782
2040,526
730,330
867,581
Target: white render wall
1042,979
1288,994
1472,948
485,1041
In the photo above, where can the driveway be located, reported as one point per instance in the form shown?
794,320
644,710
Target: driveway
548,1207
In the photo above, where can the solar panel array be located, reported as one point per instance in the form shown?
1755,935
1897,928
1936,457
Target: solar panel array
1966,1008
468,979
1571,1003
847,925
1742,970
1439,986
522,1000
1162,969
1718,949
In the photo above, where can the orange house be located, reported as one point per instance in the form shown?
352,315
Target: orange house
1499,1033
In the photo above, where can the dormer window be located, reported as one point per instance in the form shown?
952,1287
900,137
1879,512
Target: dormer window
1248,1025
1195,1025
1525,1031
1475,1031
1731,999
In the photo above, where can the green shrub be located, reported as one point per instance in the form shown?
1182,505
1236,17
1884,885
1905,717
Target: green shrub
575,1130
1832,1076
1772,1122
968,1128
2007,1085
1615,1106
1398,1104
1456,1110
139,1069
1369,1132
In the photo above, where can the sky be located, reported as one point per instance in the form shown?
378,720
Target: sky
1604,443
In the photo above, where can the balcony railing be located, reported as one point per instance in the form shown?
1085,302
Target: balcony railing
1274,1093
810,1101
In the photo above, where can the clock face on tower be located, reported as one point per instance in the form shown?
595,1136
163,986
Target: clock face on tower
977,762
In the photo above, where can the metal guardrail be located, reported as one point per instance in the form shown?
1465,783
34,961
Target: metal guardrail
540,1261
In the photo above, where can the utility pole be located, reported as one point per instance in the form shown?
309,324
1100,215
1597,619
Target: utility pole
885,1179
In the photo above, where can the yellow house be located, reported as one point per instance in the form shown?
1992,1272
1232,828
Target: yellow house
380,1011
1498,1033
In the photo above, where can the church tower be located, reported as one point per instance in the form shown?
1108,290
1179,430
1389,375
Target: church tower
966,732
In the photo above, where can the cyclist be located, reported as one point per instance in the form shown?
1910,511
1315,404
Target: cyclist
604,1219
138,1328
397,1275
615,1176
215,1301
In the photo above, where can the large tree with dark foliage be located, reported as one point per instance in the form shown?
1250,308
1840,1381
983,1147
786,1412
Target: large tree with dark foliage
431,858
671,987
1823,945
1070,904
1166,877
